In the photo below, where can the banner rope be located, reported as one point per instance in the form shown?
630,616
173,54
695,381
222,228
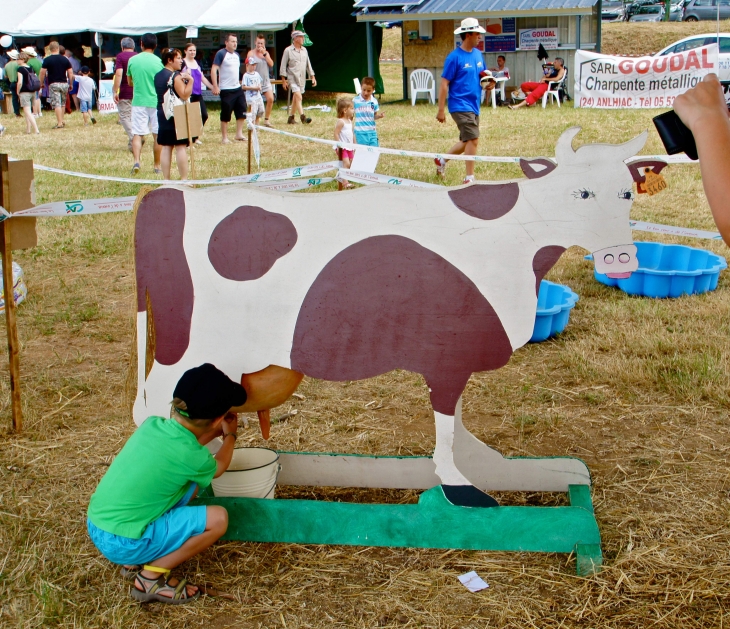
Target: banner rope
669,159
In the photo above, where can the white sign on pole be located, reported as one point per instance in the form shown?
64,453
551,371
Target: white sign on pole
191,32
608,82
106,102
531,38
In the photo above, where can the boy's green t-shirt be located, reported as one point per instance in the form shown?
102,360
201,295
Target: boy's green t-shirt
143,68
149,476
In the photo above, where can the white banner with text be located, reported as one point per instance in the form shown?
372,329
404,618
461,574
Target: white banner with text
610,82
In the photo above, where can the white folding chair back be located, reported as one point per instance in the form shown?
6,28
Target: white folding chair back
108,66
422,82
554,90
358,87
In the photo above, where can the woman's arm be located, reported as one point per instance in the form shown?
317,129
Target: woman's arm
704,111
183,86
19,84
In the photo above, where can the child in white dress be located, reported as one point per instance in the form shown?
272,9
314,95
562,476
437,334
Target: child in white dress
343,133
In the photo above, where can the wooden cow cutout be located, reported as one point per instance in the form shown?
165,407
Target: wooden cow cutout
351,285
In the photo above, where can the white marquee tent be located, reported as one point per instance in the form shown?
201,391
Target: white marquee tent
28,18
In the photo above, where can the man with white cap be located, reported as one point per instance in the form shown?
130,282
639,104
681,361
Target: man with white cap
460,82
295,65
11,74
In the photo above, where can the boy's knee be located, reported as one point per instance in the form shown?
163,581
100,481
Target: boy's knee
217,519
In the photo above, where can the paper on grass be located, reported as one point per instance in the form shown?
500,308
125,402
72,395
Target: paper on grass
473,582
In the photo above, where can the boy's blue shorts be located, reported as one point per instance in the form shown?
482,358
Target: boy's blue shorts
367,138
84,106
161,537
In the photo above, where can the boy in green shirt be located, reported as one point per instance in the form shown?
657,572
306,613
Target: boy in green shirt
138,515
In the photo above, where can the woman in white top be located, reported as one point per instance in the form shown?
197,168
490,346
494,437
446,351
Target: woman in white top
263,63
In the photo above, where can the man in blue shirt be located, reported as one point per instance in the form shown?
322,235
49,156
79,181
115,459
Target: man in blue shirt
460,81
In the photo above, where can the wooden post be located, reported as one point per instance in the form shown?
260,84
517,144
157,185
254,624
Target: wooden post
249,150
11,324
190,139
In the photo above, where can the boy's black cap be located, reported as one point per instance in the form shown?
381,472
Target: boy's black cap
208,393
84,69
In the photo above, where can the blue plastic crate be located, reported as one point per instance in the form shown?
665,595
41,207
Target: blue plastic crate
669,271
554,303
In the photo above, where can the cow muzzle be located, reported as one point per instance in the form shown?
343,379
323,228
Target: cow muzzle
616,262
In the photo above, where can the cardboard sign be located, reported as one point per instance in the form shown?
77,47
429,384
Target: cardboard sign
610,82
106,102
22,196
181,125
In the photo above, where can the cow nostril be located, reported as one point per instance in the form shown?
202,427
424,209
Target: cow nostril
608,258
624,257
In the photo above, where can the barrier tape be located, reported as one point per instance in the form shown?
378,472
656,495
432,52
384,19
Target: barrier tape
670,159
286,173
371,178
670,230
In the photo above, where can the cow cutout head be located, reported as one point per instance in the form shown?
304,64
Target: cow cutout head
588,196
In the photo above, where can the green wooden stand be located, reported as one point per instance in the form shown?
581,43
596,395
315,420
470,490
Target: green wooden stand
431,523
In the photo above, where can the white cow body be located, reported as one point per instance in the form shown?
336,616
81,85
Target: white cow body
245,326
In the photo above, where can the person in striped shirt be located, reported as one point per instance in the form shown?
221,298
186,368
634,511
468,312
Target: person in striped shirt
367,111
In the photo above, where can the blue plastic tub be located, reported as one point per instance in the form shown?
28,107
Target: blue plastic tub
670,271
554,303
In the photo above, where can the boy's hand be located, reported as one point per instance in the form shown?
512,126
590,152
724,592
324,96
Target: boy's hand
230,423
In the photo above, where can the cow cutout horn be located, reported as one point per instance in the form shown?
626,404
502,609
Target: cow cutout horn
564,148
633,146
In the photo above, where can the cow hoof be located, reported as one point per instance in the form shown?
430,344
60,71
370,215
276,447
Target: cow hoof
468,496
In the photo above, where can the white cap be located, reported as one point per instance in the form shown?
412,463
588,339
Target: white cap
29,51
469,25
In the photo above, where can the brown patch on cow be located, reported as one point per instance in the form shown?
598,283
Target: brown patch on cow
162,272
486,201
246,243
528,167
543,261
388,303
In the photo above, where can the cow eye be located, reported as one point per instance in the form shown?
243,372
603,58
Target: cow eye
626,194
584,194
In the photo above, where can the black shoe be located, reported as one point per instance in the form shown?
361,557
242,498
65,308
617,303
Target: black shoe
304,119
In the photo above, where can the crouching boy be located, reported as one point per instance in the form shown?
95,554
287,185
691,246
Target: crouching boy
139,515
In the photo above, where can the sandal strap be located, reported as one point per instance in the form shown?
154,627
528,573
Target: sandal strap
180,591
164,571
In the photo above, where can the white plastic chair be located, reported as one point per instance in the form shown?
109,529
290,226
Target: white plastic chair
108,66
554,90
358,87
422,81
500,83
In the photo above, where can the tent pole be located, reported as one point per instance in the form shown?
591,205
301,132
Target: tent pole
369,42
577,31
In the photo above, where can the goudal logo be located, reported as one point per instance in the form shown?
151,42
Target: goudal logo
604,81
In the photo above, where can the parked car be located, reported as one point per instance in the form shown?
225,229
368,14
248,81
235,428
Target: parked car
676,14
652,13
695,41
633,7
706,10
612,11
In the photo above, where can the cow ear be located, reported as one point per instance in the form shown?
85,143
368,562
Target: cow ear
536,168
638,169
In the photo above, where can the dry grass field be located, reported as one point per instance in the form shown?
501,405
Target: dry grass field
637,388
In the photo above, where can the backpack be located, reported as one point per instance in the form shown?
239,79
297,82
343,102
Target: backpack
34,83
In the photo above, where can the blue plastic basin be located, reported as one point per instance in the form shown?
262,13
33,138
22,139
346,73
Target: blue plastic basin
669,271
554,303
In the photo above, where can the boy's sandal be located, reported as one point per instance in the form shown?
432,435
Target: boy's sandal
130,573
153,587
59,126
